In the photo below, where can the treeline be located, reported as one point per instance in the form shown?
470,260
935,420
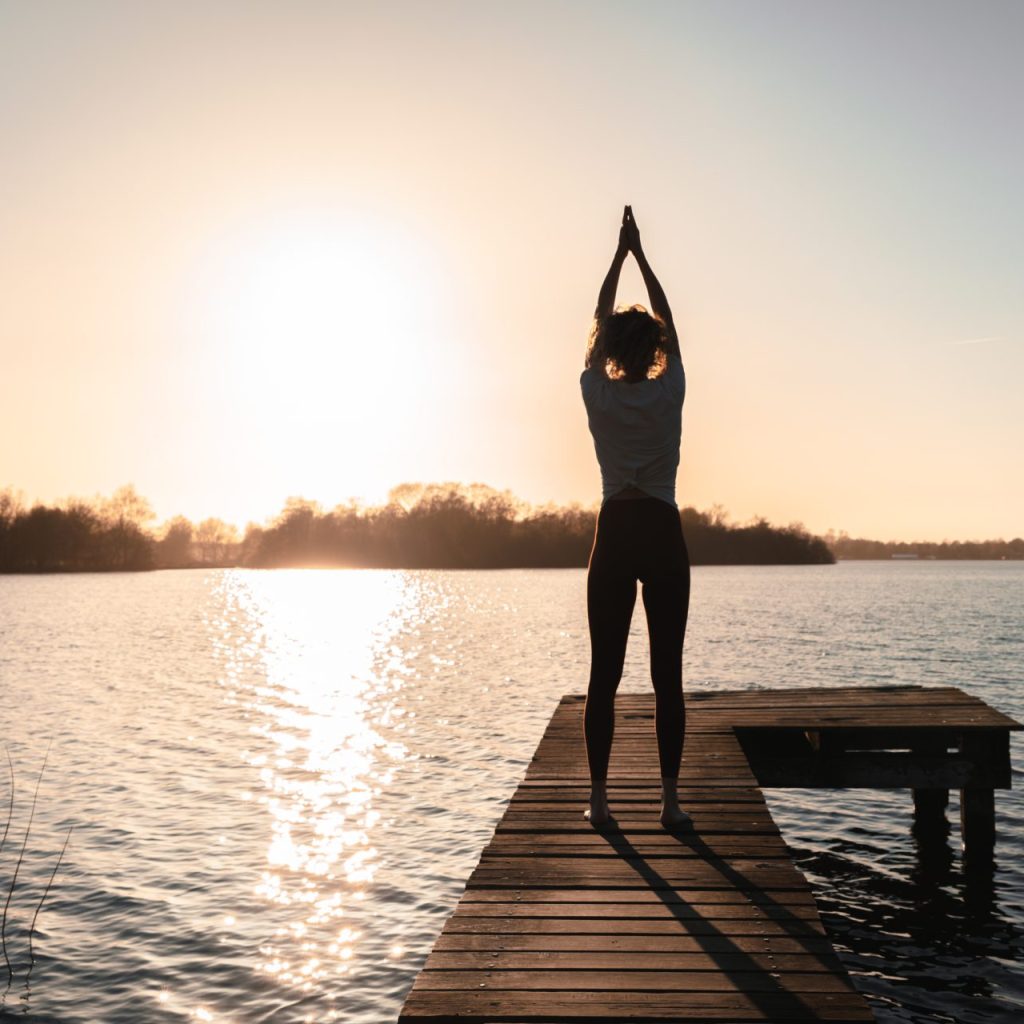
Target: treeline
420,526
102,534
452,526
846,547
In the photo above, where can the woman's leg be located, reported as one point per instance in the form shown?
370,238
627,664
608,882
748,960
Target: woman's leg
610,600
666,599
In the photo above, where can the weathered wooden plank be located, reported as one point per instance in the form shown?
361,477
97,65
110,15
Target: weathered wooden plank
525,844
881,770
559,873
738,867
642,942
610,980
709,810
648,774
887,694
561,798
631,792
703,824
481,1005
697,960
811,718
765,926
928,697
709,896
676,911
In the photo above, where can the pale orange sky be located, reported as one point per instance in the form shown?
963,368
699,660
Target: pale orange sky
266,249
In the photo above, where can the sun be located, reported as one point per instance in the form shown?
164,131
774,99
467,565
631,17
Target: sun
312,301
315,331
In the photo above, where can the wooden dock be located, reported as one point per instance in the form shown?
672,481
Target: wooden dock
563,922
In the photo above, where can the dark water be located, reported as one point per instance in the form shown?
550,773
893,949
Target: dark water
278,782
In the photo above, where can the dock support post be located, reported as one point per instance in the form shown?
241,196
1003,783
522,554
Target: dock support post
930,805
977,803
930,802
978,826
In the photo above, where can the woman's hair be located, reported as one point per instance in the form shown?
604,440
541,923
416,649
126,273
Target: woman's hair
629,344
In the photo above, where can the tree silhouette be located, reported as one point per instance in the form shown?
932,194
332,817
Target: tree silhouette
215,539
174,548
124,516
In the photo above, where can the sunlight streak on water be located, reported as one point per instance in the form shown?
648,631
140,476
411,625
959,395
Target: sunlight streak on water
322,640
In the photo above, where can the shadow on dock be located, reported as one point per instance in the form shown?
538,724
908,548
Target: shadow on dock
764,987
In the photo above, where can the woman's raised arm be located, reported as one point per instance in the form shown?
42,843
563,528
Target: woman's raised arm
606,297
655,293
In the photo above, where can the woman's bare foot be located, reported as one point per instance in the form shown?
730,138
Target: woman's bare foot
598,814
672,815
675,817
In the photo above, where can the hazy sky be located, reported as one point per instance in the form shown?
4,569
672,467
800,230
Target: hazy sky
253,250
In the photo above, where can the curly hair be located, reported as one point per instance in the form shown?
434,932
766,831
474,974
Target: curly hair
629,344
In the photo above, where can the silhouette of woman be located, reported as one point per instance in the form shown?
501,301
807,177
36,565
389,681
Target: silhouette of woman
633,388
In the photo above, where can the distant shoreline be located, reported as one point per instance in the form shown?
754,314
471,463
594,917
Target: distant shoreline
472,568
422,526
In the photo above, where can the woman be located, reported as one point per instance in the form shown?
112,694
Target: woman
633,388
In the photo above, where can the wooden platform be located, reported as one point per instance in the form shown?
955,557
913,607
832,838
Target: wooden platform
562,922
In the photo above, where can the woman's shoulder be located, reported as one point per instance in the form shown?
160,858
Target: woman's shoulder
674,376
592,377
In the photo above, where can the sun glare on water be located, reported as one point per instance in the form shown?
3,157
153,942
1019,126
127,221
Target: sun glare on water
322,701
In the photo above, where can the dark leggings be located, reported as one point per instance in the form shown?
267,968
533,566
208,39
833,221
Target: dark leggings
637,539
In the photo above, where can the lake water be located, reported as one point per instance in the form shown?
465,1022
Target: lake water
279,781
